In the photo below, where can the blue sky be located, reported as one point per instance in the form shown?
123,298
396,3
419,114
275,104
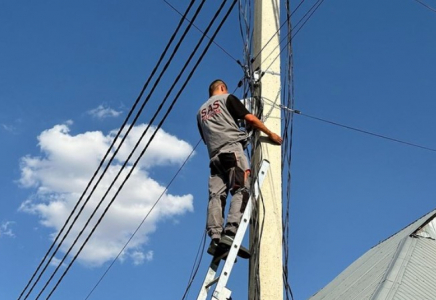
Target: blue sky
70,72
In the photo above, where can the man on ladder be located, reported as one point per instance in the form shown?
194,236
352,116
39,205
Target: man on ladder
229,168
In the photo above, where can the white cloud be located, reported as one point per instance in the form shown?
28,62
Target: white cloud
59,176
14,127
5,229
149,255
140,257
56,261
102,112
9,128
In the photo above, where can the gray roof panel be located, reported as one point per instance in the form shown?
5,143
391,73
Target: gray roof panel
400,267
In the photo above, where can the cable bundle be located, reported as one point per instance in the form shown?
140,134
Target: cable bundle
100,211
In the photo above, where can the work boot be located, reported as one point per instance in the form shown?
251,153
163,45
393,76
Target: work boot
218,250
212,246
226,242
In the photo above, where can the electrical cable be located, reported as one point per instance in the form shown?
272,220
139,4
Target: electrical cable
256,109
245,30
288,121
260,227
288,140
144,88
201,31
196,265
125,163
425,5
101,164
144,219
356,129
257,228
277,32
258,204
152,137
248,64
107,166
255,244
312,10
131,125
368,132
287,135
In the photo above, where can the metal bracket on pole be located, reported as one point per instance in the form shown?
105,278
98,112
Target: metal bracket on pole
256,76
221,292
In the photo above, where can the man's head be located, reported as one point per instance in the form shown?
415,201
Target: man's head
217,87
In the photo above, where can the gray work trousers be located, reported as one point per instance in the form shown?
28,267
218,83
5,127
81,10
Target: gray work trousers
229,172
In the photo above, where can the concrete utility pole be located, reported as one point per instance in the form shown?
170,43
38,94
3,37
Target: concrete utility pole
266,281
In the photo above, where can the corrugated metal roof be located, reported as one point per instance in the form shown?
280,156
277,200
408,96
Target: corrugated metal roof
402,267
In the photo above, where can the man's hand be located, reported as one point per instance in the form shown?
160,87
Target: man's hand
275,138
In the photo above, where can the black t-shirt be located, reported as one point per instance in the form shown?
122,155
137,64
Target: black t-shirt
236,108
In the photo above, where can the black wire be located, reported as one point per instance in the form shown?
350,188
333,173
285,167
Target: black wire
286,141
277,32
125,163
262,224
368,132
257,225
196,265
144,219
257,229
312,10
195,26
151,138
245,32
249,62
255,244
288,95
102,162
356,129
425,5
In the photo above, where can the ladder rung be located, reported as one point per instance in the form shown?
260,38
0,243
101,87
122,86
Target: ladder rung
212,282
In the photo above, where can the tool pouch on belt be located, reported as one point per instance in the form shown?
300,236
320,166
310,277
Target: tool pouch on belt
236,175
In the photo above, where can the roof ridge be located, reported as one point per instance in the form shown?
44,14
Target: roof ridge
428,220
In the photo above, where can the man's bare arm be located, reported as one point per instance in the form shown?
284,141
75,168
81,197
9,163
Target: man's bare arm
258,124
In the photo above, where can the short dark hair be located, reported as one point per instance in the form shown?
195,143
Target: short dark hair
214,85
